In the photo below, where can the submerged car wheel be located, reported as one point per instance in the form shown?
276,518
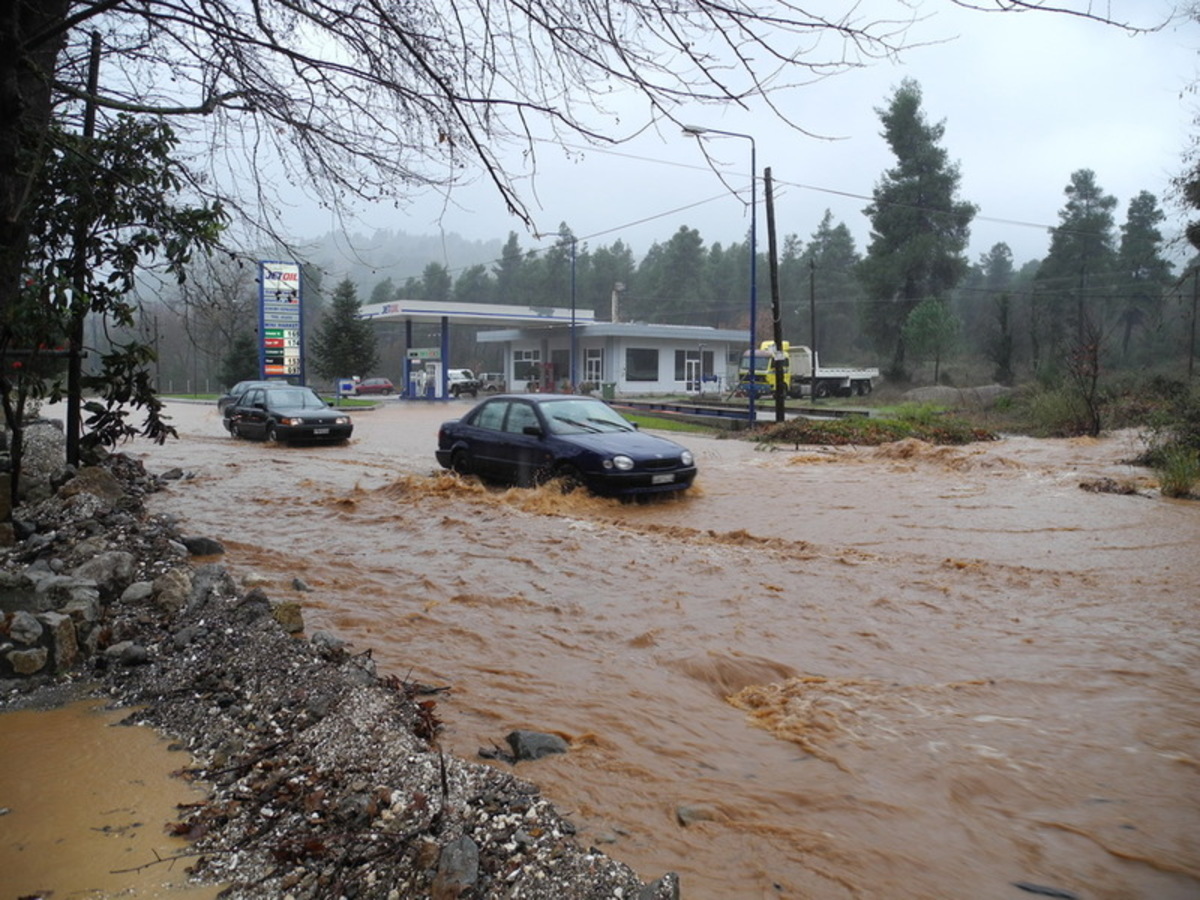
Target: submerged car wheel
272,434
460,463
569,478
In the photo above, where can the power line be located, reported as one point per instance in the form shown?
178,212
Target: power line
725,194
807,187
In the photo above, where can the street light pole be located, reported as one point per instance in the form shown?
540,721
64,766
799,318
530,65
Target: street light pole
698,131
571,375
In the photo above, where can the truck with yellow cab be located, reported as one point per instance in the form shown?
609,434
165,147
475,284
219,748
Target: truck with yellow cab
803,374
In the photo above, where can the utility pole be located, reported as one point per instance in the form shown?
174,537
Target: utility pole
157,359
1192,342
776,314
80,301
813,309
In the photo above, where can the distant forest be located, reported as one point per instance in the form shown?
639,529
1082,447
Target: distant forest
997,309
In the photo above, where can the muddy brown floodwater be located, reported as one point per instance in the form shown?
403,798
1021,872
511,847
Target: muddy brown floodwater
85,801
899,672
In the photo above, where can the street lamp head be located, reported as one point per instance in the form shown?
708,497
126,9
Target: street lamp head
694,130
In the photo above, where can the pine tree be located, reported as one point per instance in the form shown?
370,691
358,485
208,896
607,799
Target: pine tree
240,362
931,331
344,344
919,229
975,301
609,267
1143,275
383,292
508,271
1001,344
436,283
673,281
1073,279
828,274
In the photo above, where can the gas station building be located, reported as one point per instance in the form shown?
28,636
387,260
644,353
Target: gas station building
555,349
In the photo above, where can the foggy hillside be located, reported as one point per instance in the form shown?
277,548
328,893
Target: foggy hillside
368,259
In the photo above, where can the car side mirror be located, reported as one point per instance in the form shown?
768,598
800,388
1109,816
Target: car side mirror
532,431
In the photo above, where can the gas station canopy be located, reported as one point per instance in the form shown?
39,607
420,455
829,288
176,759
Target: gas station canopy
499,315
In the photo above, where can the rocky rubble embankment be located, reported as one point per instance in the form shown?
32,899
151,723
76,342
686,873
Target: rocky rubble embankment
324,779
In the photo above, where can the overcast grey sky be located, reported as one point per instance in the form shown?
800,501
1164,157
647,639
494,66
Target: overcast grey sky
1026,99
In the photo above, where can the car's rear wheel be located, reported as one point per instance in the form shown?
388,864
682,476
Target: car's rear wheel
460,462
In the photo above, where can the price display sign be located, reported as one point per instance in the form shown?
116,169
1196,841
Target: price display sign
281,320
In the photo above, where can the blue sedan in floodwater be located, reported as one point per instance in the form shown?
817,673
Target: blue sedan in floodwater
529,439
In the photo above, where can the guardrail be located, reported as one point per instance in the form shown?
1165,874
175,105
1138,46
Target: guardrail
731,414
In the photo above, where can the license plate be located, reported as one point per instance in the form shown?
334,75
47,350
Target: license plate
662,479
320,431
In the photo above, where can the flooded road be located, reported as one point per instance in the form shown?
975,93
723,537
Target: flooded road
899,672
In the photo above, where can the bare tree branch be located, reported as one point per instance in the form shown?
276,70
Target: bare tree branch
375,100
1093,10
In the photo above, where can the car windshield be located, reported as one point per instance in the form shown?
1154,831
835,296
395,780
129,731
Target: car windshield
296,398
583,416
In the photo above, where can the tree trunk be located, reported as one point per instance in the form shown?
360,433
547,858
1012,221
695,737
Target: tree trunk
29,48
26,73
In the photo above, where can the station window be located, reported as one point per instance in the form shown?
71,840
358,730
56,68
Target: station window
526,364
641,364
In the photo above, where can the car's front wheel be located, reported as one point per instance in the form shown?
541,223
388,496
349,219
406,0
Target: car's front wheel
272,433
568,478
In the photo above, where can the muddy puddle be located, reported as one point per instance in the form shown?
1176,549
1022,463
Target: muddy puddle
85,803
892,672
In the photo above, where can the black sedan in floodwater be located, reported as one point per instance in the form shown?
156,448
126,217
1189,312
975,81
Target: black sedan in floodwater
286,413
528,439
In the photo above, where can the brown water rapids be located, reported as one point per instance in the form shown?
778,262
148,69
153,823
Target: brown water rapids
898,672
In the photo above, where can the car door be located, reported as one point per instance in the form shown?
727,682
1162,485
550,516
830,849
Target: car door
251,413
484,436
525,456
